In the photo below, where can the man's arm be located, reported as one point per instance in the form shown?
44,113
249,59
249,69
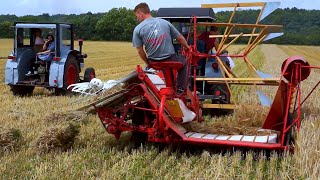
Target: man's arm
44,47
44,52
142,54
183,42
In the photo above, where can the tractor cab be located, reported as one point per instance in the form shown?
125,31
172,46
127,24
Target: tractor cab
181,18
43,55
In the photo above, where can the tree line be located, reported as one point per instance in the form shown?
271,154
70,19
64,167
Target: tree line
300,26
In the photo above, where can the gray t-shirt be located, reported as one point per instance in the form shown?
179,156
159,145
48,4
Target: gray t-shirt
156,35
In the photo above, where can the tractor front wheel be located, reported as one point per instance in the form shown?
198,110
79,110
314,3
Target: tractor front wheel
89,74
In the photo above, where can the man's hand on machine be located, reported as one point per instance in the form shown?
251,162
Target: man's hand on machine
187,48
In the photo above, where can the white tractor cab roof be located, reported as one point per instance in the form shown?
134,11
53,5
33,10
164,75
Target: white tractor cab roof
62,32
41,25
185,14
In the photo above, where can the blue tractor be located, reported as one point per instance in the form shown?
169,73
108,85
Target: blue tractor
25,69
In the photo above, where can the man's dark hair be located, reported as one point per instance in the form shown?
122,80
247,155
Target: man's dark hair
214,28
37,29
51,36
143,7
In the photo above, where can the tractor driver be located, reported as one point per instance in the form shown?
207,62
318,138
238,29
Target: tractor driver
156,36
205,44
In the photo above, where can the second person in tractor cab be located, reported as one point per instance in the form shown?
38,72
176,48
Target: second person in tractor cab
156,36
48,49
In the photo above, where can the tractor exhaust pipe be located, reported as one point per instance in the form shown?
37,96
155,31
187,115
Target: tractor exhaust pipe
80,48
80,45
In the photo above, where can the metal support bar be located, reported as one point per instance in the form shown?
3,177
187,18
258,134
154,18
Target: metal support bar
230,5
271,28
249,63
233,35
227,28
255,45
257,40
238,79
254,29
234,40
219,106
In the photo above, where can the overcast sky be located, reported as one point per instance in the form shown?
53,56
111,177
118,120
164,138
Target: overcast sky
36,7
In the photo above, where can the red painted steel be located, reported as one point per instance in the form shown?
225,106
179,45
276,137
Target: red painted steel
71,75
159,126
164,129
168,69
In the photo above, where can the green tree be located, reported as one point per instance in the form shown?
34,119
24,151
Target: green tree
300,26
117,24
85,26
5,29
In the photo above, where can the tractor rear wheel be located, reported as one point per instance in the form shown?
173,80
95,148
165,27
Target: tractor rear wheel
21,90
89,74
70,75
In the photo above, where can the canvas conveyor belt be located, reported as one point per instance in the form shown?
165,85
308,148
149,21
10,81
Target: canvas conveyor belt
189,136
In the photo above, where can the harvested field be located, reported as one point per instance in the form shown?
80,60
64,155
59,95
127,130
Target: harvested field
97,155
58,138
71,116
9,139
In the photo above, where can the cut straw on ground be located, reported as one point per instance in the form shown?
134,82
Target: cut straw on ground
9,139
58,138
69,116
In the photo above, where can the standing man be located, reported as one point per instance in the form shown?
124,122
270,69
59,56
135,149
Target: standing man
153,40
210,42
205,44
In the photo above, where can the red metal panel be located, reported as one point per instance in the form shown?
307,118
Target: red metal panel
288,65
276,114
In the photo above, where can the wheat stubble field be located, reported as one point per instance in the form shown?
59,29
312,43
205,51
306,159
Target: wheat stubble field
96,154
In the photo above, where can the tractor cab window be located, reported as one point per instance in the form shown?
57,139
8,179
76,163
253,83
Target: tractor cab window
66,37
23,37
183,28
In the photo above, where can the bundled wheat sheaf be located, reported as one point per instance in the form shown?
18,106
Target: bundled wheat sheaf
60,137
9,139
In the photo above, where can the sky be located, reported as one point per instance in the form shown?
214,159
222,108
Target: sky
36,7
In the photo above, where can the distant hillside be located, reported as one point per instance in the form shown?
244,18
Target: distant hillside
300,26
